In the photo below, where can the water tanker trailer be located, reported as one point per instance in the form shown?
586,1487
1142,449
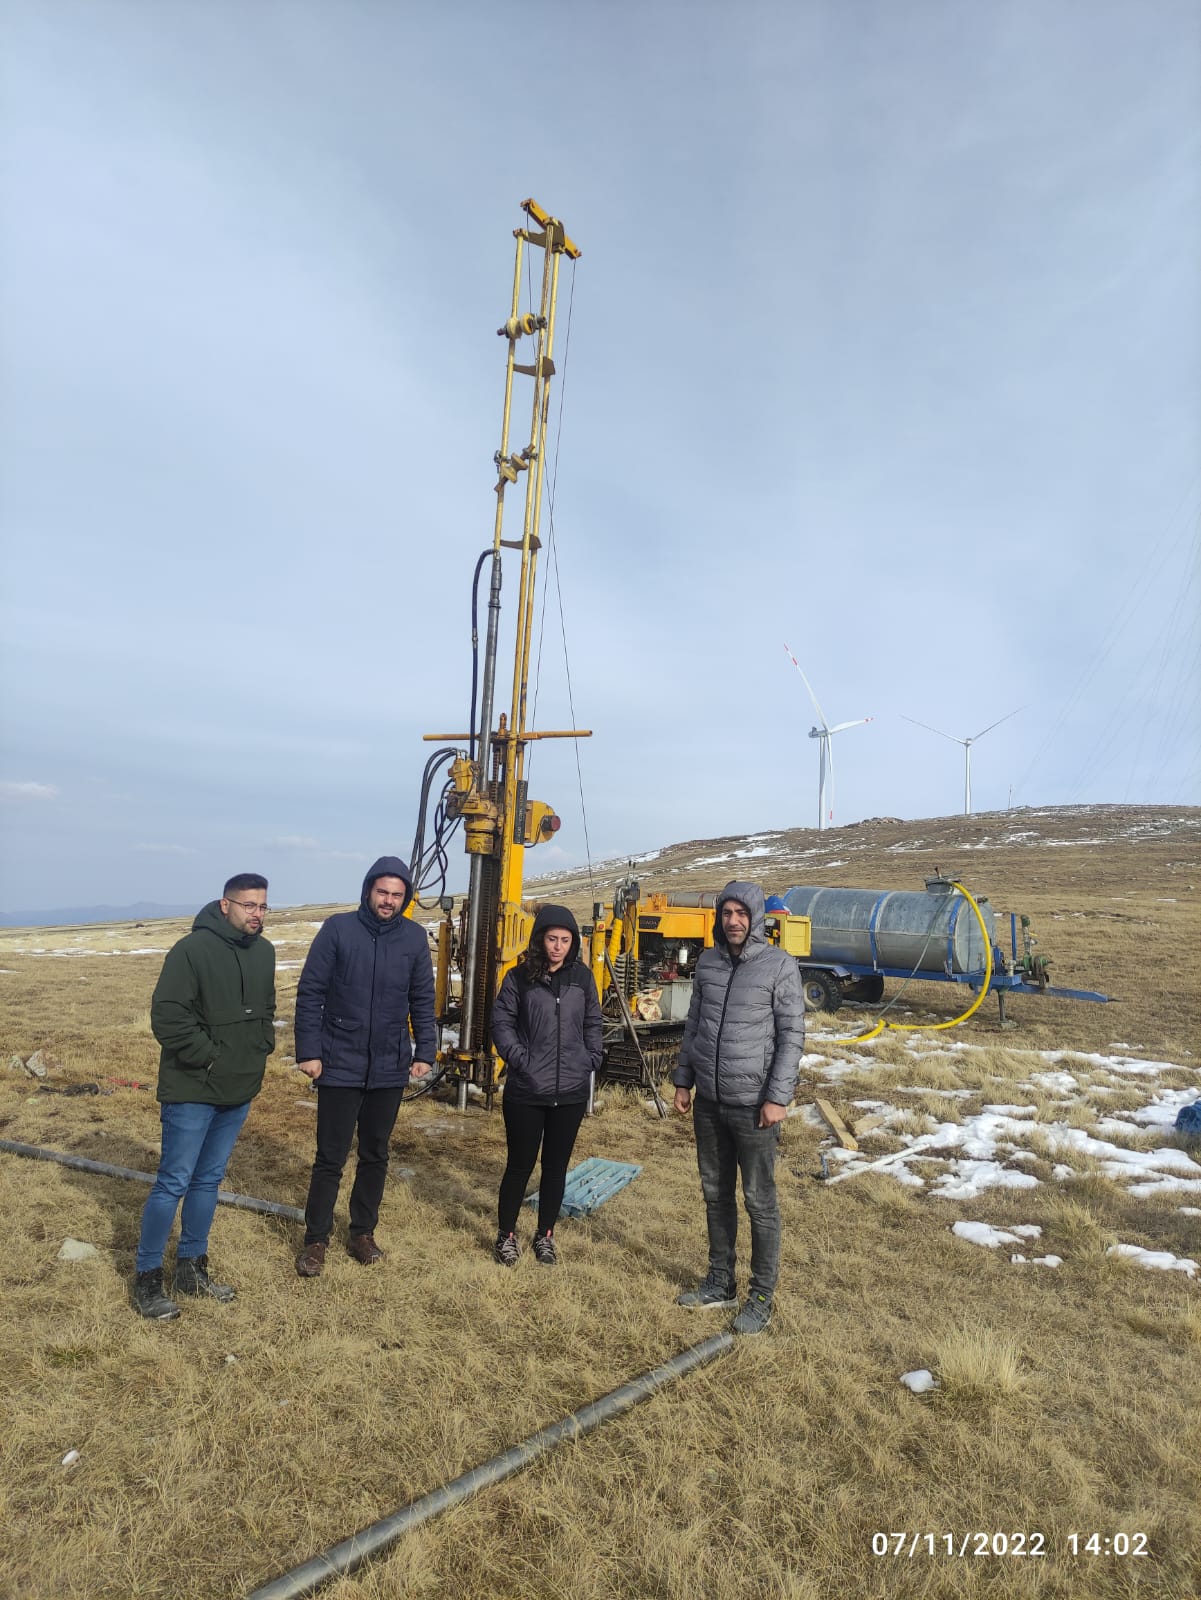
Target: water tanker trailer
846,942
859,937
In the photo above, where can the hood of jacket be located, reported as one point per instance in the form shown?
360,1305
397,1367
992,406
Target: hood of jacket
209,920
556,917
751,896
385,867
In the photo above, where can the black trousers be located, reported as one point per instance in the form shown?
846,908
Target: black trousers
339,1112
527,1127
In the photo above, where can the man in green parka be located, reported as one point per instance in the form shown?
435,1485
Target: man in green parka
213,1013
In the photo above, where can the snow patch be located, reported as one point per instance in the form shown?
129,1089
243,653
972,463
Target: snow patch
984,1233
1158,1260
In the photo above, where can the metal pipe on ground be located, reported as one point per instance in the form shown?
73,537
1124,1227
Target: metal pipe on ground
345,1558
243,1202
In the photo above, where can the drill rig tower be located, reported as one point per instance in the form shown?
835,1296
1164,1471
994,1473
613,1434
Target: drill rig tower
487,788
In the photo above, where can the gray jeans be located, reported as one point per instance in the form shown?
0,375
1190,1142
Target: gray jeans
729,1139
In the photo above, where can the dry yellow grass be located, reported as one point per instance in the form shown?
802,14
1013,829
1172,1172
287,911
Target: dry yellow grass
1068,1397
976,1365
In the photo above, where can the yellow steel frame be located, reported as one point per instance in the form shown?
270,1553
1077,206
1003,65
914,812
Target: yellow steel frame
488,789
511,743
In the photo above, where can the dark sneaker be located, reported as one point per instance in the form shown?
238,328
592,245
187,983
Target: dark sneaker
754,1316
506,1250
544,1249
710,1294
364,1249
192,1277
311,1260
149,1299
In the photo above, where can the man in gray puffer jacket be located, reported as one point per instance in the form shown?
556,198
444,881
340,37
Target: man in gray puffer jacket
742,1047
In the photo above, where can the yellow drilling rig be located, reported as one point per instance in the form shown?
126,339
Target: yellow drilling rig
485,789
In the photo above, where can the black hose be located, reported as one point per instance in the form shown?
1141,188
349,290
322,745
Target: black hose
445,752
379,1537
422,1086
271,1208
475,646
433,866
438,755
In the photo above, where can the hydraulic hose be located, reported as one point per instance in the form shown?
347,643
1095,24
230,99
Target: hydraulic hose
935,1027
380,1536
444,753
414,1089
485,555
270,1208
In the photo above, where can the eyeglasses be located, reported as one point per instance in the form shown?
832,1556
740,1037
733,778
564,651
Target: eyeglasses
251,905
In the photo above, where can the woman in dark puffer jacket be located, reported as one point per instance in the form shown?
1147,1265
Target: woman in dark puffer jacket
546,1023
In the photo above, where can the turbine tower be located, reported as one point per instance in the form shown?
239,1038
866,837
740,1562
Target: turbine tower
967,749
823,734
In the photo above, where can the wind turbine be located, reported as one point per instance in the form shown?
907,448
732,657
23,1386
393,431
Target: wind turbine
823,734
967,749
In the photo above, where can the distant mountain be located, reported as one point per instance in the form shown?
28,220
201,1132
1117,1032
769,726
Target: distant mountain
70,916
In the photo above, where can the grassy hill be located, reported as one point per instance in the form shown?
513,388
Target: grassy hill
1067,1397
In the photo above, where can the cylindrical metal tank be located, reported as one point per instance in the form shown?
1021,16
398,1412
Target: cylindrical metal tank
932,932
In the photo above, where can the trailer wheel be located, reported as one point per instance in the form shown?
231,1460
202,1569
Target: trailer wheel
822,992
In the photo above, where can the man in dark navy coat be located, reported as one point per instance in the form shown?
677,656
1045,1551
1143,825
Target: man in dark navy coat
367,980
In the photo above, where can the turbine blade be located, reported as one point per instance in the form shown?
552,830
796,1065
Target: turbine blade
858,722
954,737
997,723
821,716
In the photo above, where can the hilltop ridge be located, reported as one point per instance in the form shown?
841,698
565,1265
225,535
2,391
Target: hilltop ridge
899,854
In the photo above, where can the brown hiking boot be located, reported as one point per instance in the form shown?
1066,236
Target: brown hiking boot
311,1260
364,1249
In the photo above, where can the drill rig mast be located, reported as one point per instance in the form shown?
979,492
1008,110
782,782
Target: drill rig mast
487,787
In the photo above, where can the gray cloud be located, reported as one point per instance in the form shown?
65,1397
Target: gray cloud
885,341
13,789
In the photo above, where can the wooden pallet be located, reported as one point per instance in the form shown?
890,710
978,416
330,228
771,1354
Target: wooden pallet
592,1183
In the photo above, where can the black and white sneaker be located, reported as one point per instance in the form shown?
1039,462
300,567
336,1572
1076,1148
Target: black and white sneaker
544,1249
710,1294
506,1250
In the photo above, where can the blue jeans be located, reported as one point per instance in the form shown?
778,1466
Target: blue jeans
197,1143
729,1138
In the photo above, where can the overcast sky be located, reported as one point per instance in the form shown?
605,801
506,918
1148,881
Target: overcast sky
885,342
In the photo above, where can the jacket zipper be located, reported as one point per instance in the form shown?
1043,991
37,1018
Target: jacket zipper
717,1044
371,1007
208,1071
558,1042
